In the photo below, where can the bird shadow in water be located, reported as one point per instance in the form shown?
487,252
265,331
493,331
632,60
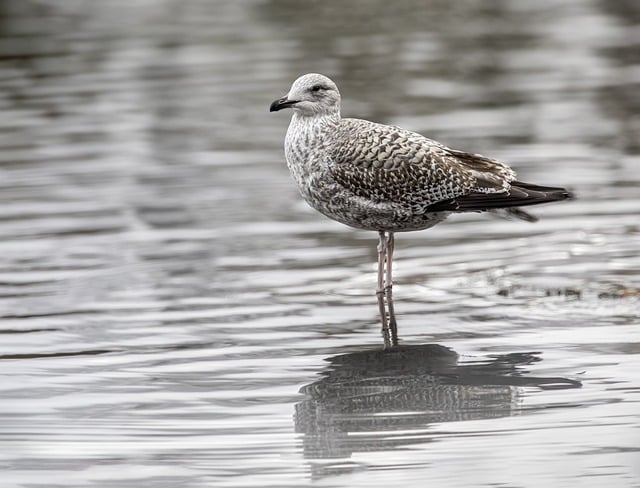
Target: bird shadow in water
383,399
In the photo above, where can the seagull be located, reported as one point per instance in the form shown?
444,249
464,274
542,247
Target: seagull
387,179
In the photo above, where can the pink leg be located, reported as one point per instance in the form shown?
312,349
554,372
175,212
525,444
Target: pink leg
393,325
381,290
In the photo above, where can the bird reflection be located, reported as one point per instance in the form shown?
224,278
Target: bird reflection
381,399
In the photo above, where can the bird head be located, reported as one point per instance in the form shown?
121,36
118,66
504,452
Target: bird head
311,94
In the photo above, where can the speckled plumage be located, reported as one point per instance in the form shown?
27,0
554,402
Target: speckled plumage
379,177
383,178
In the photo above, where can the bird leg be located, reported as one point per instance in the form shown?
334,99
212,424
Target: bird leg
380,291
393,326
383,292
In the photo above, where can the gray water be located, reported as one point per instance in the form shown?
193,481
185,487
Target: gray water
173,315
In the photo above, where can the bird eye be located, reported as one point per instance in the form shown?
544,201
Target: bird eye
316,88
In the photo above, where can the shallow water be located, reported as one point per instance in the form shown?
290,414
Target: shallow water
174,315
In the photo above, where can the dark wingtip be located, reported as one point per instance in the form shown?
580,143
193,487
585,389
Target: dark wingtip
546,193
520,194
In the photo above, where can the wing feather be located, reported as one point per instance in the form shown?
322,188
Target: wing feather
389,164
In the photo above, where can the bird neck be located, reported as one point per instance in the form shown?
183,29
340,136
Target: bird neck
314,120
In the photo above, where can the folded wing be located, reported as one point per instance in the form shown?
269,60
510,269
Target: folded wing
390,164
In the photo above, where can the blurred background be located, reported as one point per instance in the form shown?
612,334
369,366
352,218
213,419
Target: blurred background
174,315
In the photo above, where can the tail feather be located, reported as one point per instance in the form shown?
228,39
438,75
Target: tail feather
511,212
519,195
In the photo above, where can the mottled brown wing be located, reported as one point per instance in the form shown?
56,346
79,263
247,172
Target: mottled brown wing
389,164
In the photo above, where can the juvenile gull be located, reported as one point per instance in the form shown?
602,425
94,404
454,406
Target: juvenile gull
387,179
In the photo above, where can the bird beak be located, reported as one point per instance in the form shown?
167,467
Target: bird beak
281,103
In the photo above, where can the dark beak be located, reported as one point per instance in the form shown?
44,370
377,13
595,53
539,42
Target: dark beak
281,103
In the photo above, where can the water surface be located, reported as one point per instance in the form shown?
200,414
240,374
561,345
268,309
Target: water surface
174,315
